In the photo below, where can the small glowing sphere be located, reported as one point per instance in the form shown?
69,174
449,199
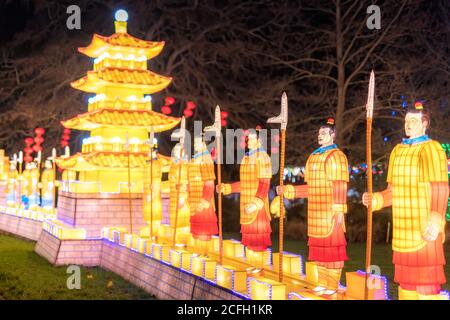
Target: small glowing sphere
121,15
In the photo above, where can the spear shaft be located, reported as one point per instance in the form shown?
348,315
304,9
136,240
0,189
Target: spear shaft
282,119
281,232
370,100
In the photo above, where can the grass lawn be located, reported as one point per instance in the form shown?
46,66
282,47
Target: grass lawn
25,275
381,256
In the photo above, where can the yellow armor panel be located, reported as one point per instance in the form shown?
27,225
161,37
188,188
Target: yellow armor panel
411,169
201,169
253,167
320,172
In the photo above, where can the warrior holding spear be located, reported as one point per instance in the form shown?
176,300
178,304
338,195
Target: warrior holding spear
326,175
201,192
179,210
282,119
418,192
152,203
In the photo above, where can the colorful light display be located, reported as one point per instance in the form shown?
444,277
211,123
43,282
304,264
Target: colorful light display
121,107
418,193
326,175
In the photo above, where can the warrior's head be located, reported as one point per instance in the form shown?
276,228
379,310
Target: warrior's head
177,151
48,164
199,144
253,139
417,121
154,148
327,133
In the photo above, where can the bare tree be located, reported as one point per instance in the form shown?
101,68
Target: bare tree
242,55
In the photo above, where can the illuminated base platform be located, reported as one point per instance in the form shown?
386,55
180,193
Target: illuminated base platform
178,273
93,211
24,223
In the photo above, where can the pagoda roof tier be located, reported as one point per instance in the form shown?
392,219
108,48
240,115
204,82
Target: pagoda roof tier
96,161
100,118
145,80
121,42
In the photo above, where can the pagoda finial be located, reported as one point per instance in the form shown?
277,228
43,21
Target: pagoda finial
121,21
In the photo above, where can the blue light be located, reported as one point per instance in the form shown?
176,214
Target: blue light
394,113
121,15
404,104
385,139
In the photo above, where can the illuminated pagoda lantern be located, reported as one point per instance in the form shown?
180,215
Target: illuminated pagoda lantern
119,120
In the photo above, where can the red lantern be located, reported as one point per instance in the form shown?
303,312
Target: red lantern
276,138
169,101
66,131
66,137
166,110
224,114
37,148
243,144
190,105
27,150
38,140
274,150
39,131
64,143
29,141
223,122
188,113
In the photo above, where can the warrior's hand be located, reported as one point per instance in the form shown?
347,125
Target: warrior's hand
377,200
224,188
339,218
288,191
203,205
431,232
280,190
256,205
366,199
433,227
250,208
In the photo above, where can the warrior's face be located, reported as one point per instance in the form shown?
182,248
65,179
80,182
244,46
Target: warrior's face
177,152
414,126
48,164
199,146
325,137
253,141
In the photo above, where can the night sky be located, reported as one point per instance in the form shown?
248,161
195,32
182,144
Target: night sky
241,55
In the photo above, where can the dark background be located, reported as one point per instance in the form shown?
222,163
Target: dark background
241,55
